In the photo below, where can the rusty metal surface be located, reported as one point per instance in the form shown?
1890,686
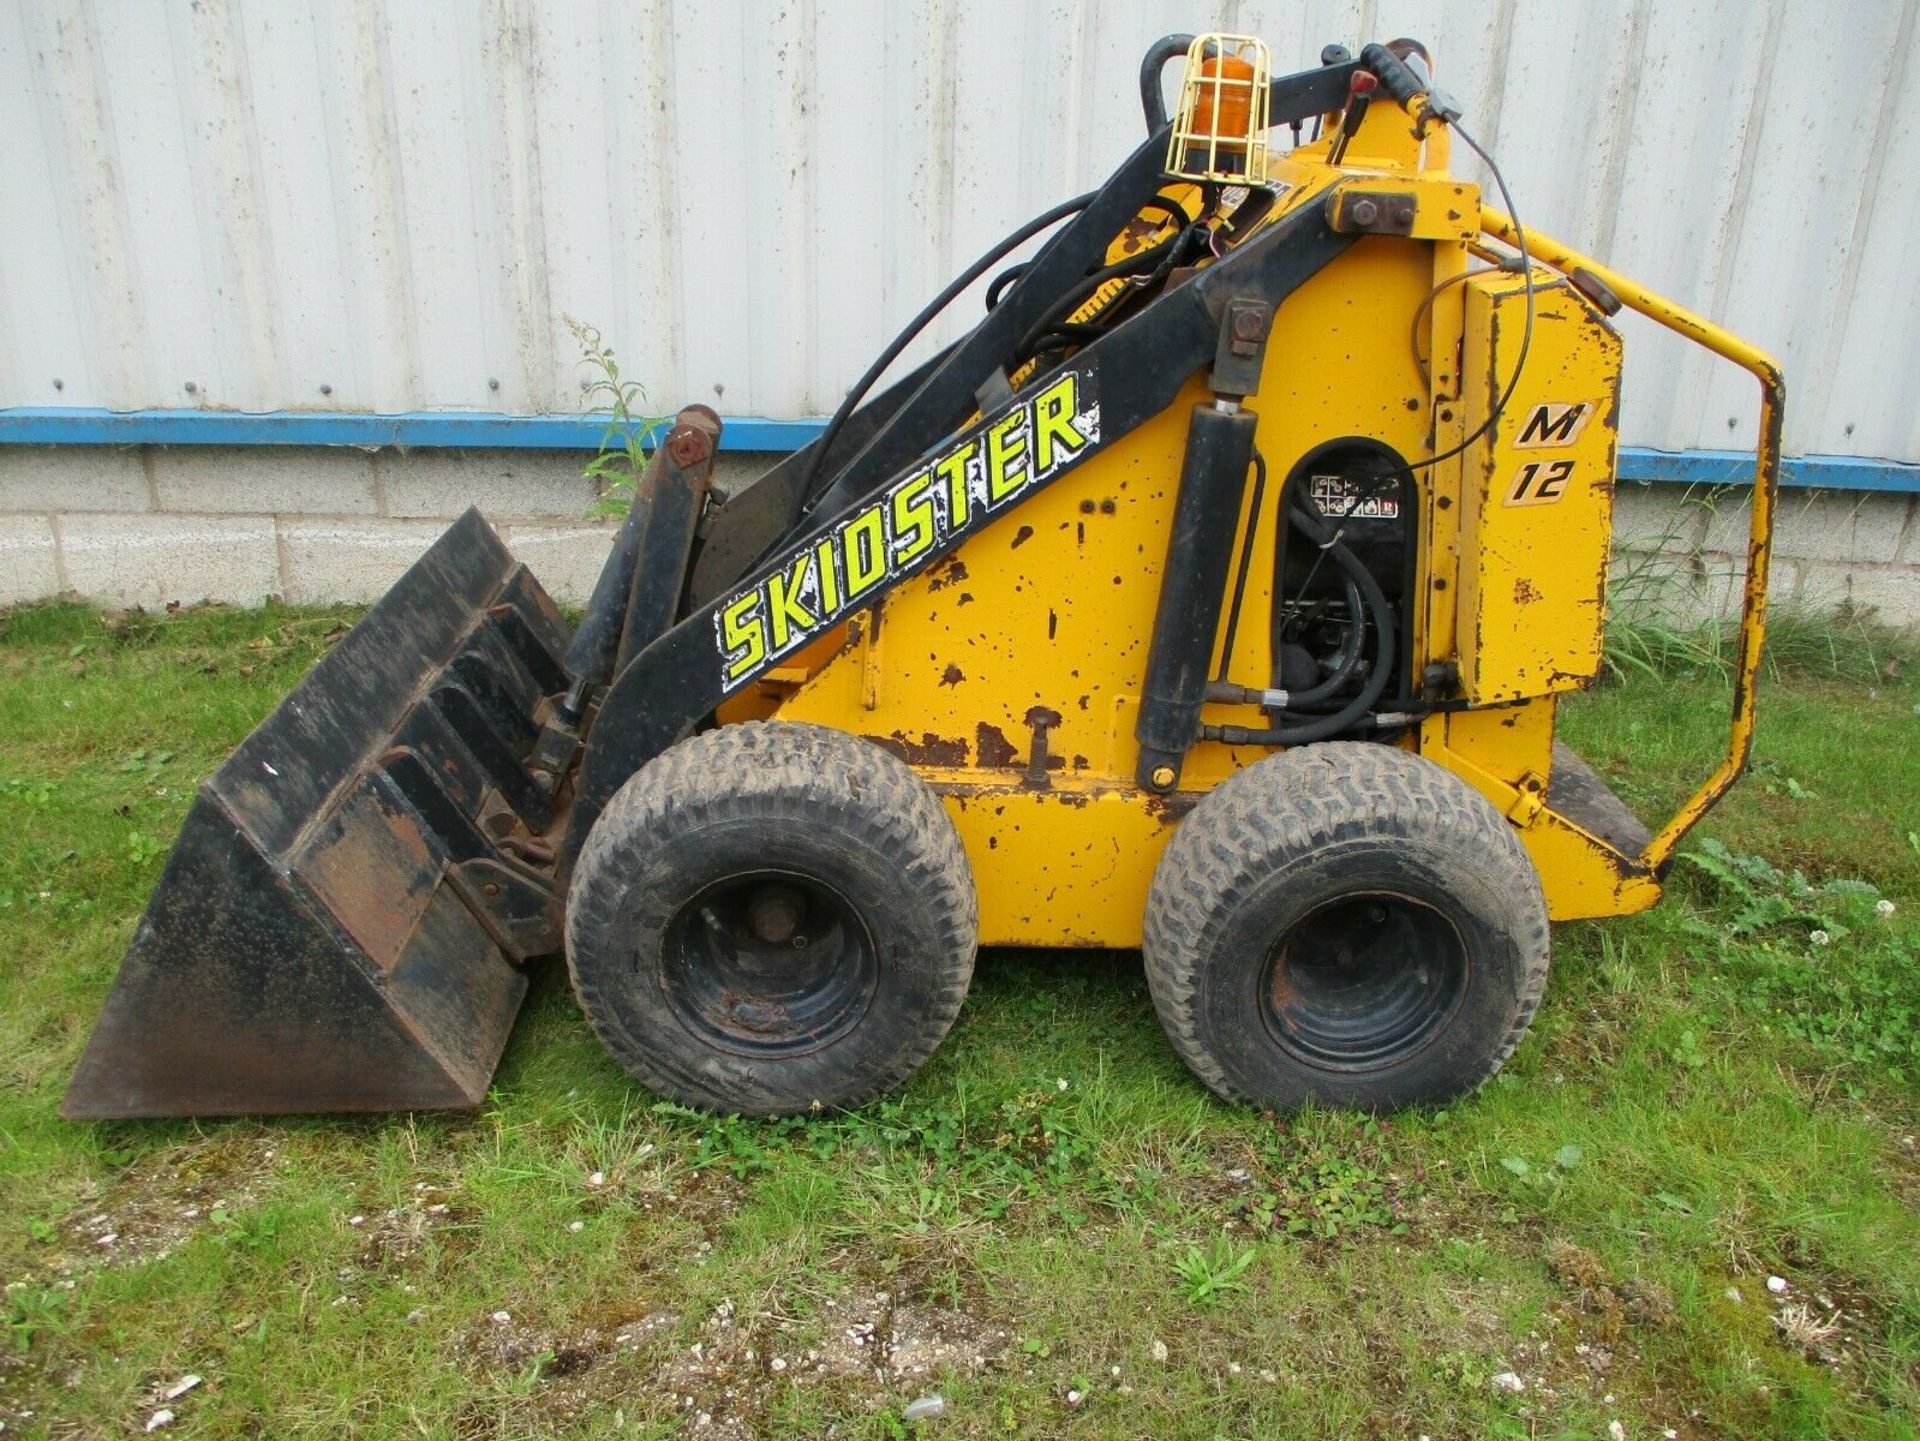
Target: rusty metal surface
338,925
1575,790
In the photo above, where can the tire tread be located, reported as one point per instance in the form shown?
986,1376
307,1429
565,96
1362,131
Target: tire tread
1291,805
778,772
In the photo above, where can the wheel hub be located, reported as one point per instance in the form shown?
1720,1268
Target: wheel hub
769,964
1363,982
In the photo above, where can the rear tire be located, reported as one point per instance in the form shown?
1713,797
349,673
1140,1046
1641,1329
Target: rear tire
770,919
1349,925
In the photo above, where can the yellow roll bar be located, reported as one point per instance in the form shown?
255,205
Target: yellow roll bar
1766,483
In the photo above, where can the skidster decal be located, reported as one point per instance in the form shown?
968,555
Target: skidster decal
950,493
1550,426
1539,482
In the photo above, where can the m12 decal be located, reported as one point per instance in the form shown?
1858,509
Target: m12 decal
1539,482
948,495
1552,426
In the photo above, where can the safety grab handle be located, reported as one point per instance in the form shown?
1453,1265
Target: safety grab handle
1160,54
1658,853
1392,72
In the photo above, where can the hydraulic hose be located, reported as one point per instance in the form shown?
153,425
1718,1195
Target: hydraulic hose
1156,260
920,322
1315,526
1349,656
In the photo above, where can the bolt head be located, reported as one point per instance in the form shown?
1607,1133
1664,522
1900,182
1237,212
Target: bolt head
1364,211
689,445
1162,775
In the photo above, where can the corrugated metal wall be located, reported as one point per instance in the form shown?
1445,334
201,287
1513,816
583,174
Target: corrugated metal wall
390,205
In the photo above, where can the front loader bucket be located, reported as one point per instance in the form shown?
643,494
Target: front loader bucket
339,924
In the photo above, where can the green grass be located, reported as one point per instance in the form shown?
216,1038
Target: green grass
1708,1098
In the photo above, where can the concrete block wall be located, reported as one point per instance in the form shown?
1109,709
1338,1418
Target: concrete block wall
1683,553
154,525
158,525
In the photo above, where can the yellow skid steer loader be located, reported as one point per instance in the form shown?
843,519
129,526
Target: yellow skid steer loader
1213,595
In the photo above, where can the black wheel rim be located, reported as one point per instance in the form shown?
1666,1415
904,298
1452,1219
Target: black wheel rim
1364,982
769,963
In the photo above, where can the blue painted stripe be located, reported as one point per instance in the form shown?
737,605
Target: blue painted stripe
482,430
420,429
1801,472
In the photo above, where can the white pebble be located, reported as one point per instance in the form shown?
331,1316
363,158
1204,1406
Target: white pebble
1159,1350
500,1318
1074,1398
1777,1285
576,1226
417,1315
1233,1368
1616,1431
598,1178
1509,1382
180,1388
1883,909
162,1417
1820,938
1732,1293
356,1220
779,1363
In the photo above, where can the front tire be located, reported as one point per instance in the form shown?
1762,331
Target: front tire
1345,924
771,919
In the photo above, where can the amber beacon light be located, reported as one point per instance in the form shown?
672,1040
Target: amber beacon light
1220,129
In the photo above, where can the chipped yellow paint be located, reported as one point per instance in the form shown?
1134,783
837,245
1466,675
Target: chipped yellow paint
1766,484
1536,509
1009,673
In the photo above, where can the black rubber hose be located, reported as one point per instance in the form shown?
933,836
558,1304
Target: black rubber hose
1319,531
1154,259
920,322
1013,272
1355,710
1349,652
1002,281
